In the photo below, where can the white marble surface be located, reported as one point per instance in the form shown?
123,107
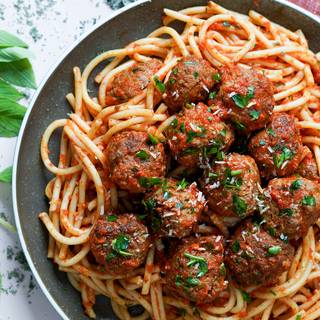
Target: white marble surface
49,27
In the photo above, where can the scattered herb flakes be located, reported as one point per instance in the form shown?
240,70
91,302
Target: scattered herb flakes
242,101
309,201
296,185
19,276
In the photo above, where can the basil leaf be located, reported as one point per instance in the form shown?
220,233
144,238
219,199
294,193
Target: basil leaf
6,175
11,115
13,54
19,73
9,92
9,40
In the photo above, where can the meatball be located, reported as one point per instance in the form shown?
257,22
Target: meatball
231,187
198,134
174,208
119,243
196,271
308,166
248,96
255,258
291,206
190,82
278,148
131,82
135,160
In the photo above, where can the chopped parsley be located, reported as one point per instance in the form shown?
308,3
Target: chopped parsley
298,317
110,256
120,245
262,143
309,201
235,246
212,175
271,132
286,212
149,182
239,125
246,296
296,185
112,218
272,232
178,280
196,75
188,151
182,184
182,127
254,114
223,270
149,204
159,84
143,155
273,251
231,180
212,95
216,77
192,282
154,140
286,154
193,134
174,123
242,101
223,132
175,71
172,81
199,262
239,205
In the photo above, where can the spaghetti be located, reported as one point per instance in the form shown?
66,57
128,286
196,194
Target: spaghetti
221,37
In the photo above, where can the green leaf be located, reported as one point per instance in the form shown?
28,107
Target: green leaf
309,201
240,206
149,182
9,92
121,244
143,155
6,175
242,101
199,262
5,224
159,84
19,73
13,54
9,40
11,115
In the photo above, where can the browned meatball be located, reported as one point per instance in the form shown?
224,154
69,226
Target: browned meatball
278,148
308,166
119,243
291,206
174,208
255,258
248,96
135,160
131,82
197,134
190,82
196,271
231,187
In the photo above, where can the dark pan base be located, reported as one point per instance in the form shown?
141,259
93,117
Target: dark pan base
30,176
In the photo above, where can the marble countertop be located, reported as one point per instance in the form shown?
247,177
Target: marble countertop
49,27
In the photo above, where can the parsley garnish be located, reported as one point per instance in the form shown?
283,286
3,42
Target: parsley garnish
239,205
223,270
212,95
223,132
286,212
120,245
242,101
172,81
296,185
159,84
182,127
193,134
286,154
273,251
154,140
196,75
112,218
271,132
254,114
216,77
182,184
246,296
235,246
192,282
149,204
174,123
230,180
200,262
143,155
262,143
149,182
309,201
175,71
